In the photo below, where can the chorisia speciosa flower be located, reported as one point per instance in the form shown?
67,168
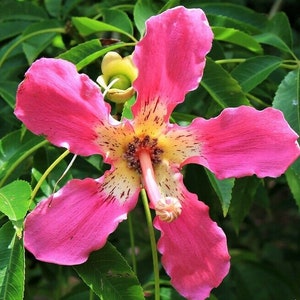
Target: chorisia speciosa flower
147,151
118,76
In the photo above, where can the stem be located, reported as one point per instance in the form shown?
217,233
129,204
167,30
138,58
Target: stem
47,172
153,244
132,244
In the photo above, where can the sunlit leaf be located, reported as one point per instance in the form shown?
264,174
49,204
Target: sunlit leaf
12,264
87,26
14,199
109,276
143,10
118,19
237,37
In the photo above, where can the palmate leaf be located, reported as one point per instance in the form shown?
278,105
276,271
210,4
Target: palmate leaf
223,189
14,199
87,26
242,198
237,37
222,87
12,264
143,10
17,10
14,149
107,273
287,100
8,92
85,53
255,70
118,19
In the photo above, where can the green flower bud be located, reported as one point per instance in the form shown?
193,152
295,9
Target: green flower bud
117,76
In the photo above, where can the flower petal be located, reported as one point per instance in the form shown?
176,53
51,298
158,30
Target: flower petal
56,101
175,41
194,250
77,220
244,141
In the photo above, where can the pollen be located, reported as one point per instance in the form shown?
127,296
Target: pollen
168,209
131,154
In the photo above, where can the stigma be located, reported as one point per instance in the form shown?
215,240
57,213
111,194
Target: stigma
168,209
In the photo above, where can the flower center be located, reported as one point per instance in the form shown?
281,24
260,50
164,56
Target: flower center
141,155
142,144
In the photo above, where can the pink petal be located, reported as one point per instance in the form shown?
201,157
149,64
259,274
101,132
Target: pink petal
194,250
56,101
244,141
77,220
175,41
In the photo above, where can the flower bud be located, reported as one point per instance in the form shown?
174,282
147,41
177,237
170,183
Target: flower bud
117,76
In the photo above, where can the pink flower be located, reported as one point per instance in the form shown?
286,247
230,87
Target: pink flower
66,107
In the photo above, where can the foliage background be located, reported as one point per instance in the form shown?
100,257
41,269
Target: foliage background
254,61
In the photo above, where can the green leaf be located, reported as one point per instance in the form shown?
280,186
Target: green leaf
42,28
85,53
271,39
223,88
53,7
280,26
14,149
87,26
255,70
8,92
118,19
255,21
143,10
287,100
224,21
12,28
109,276
242,198
223,189
17,10
293,178
12,264
14,199
38,36
237,37
278,34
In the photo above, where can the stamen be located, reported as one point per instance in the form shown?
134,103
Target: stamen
168,209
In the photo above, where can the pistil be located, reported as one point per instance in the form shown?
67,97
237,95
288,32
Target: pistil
148,177
166,208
